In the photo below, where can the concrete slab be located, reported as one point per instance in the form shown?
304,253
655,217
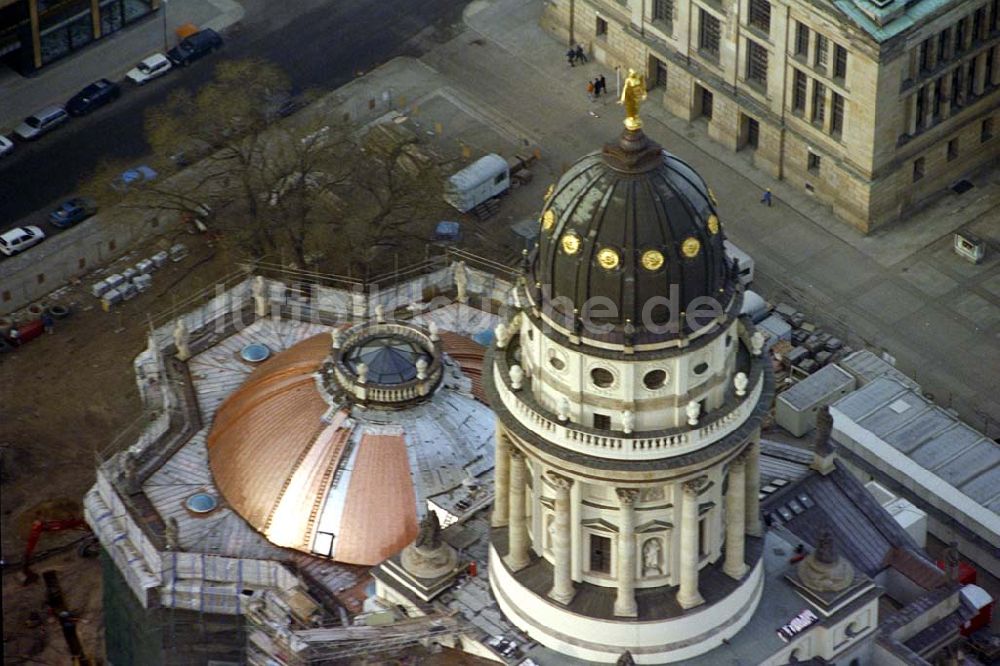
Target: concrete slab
927,279
889,302
976,309
992,284
831,261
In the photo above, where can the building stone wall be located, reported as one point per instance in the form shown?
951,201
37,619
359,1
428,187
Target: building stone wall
863,163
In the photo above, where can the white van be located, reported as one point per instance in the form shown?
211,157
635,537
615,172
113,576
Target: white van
744,262
487,177
41,122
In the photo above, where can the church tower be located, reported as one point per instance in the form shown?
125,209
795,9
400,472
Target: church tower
629,395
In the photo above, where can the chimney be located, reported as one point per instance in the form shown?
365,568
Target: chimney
823,454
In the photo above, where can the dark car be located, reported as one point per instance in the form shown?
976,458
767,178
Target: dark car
70,212
94,96
197,45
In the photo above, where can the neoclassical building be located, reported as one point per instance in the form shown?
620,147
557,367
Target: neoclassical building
626,514
872,106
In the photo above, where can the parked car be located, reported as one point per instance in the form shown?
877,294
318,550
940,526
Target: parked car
152,67
72,211
41,122
139,174
196,46
94,96
6,145
19,239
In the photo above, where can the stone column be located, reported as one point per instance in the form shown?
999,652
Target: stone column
95,18
562,575
979,84
501,478
911,120
517,529
625,601
828,106
687,593
753,487
963,76
735,565
928,92
36,39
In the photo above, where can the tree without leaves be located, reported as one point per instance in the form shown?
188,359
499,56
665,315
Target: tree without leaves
304,188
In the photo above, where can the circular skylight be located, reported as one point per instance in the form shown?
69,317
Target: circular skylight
201,503
255,353
390,359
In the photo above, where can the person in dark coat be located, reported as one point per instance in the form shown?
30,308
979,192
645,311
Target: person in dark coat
571,56
604,84
580,55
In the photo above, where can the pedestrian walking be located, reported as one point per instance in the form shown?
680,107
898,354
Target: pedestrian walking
604,85
48,323
590,90
15,336
571,56
767,197
580,55
597,88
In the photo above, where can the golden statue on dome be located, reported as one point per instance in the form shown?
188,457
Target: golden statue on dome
633,95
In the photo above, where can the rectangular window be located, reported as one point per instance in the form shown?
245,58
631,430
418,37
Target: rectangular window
918,169
923,55
938,88
952,149
602,421
814,161
837,115
821,52
995,13
663,10
702,539
600,554
943,40
760,15
819,102
707,102
753,133
960,28
602,28
708,33
970,82
659,73
801,39
839,62
799,91
986,132
956,84
756,63
978,21
921,108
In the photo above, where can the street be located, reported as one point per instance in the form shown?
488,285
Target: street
322,48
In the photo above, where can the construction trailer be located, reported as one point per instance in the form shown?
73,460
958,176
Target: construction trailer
487,177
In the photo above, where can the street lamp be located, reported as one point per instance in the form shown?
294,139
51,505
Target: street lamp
164,4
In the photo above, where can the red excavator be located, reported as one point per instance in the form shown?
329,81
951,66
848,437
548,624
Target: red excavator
37,528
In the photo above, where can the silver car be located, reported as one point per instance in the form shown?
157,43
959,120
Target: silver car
19,239
41,122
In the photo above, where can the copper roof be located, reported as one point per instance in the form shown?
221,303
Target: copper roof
265,429
380,512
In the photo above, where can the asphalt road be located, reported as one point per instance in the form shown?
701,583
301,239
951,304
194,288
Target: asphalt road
323,48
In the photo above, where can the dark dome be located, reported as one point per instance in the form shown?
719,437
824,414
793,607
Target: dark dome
627,224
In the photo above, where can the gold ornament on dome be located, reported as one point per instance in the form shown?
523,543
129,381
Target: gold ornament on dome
608,259
548,192
548,219
632,97
690,247
711,197
571,243
652,260
713,224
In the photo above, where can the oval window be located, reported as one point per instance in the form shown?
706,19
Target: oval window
729,341
602,377
557,363
655,379
701,368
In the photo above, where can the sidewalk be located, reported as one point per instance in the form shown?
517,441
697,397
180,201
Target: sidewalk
110,57
901,290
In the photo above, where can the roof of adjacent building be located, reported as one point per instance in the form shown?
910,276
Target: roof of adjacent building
885,19
817,387
926,445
